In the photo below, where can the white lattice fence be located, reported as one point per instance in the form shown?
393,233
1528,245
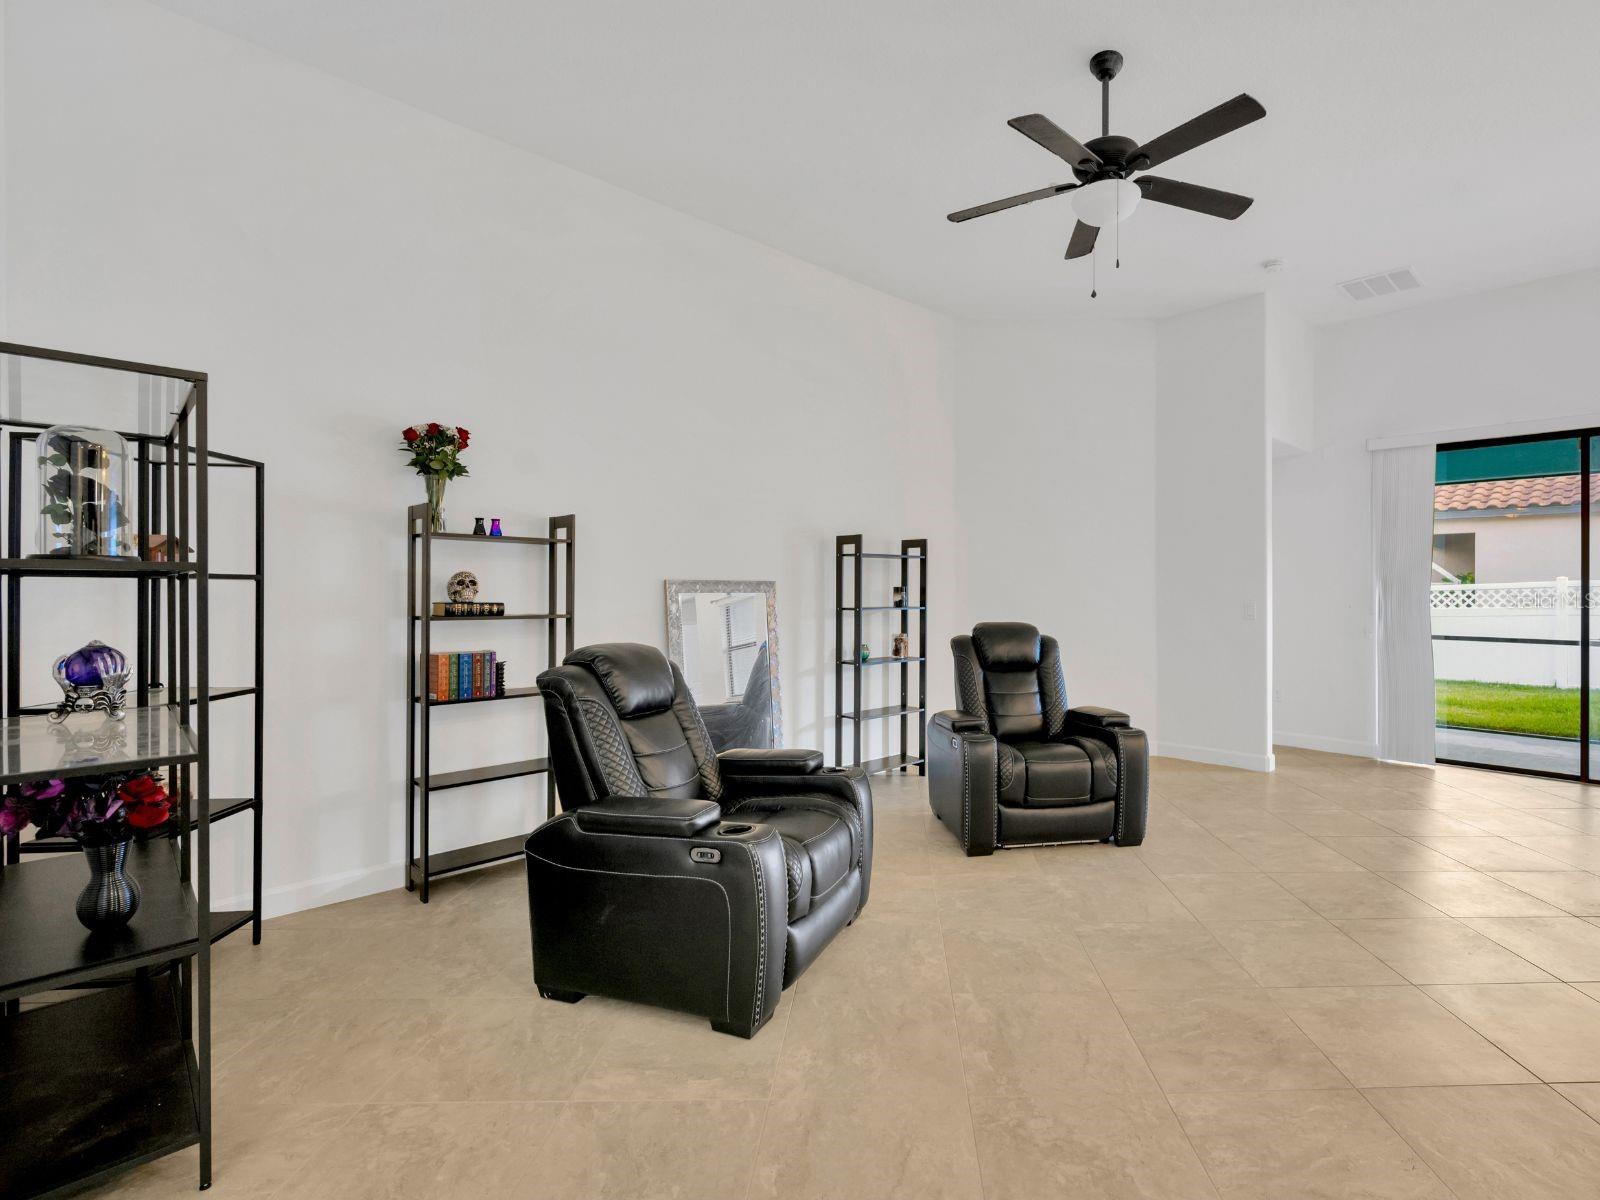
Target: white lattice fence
1524,632
1553,595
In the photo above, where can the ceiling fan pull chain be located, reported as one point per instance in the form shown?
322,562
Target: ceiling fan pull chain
1119,226
1094,262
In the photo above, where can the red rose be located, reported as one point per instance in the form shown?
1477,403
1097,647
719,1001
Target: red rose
433,429
148,816
409,433
462,436
145,801
142,789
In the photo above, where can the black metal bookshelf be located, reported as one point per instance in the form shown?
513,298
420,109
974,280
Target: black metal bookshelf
118,1072
153,631
850,596
423,863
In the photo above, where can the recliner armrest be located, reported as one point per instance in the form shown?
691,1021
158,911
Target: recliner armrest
954,720
1104,718
1132,751
776,761
963,778
646,816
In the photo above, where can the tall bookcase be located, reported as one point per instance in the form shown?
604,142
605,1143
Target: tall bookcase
423,863
119,1071
860,612
157,645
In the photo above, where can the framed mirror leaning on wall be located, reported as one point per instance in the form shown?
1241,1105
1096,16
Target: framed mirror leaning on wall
723,634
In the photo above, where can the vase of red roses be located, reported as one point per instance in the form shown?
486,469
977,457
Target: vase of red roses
104,814
435,452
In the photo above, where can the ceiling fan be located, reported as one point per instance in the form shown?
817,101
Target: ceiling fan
1104,194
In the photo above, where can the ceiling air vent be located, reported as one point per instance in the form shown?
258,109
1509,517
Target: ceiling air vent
1385,283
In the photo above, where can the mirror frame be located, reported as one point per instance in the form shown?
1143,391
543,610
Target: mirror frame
677,588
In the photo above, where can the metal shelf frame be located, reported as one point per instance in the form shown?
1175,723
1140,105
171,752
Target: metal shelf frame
423,864
153,458
176,944
850,558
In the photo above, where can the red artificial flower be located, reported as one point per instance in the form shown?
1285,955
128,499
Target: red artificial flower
149,816
142,789
409,433
145,802
433,429
462,435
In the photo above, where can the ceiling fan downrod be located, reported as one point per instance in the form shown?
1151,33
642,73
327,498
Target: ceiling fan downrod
1104,66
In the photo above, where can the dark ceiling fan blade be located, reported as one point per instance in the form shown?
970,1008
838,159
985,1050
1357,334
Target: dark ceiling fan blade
1210,201
1054,139
1082,242
1208,126
994,206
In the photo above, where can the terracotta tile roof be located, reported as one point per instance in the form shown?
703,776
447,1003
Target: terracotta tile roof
1541,491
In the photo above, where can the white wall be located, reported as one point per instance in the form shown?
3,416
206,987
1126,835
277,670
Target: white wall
1213,535
1515,549
4,162
344,265
1290,379
1512,355
1056,485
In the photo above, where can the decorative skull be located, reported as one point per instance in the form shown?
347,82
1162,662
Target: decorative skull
462,587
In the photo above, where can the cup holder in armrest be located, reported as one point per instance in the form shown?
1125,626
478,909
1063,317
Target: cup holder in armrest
733,830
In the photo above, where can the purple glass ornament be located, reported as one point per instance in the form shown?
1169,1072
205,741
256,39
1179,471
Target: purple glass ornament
93,665
494,527
94,677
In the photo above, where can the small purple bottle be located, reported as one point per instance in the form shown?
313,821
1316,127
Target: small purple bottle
494,527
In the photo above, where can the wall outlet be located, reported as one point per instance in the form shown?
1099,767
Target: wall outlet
1249,610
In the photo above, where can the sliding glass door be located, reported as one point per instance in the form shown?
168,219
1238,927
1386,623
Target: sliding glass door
1510,603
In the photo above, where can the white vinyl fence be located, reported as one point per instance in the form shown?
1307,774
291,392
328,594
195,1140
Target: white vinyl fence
1543,609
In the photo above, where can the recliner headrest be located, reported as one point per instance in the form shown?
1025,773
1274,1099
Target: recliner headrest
1007,645
637,678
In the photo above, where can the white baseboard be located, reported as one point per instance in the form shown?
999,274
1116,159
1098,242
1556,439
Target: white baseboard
1329,745
313,893
1217,758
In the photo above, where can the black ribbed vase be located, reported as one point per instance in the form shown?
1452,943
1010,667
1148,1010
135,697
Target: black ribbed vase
111,897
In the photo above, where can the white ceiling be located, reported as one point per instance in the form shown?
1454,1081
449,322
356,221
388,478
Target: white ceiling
1421,133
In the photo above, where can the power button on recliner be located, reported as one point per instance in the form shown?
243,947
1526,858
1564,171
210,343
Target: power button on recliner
705,854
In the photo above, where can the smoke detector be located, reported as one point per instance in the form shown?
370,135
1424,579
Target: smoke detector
1273,266
1385,283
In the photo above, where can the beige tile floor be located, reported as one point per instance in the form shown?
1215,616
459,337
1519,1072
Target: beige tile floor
1341,980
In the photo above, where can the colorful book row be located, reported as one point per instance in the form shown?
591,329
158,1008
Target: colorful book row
463,675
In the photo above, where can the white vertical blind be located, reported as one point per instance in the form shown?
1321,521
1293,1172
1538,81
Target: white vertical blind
1402,558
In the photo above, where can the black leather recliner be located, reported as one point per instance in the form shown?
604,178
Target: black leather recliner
678,877
1014,766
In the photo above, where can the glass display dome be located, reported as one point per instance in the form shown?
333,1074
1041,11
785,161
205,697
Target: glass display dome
83,494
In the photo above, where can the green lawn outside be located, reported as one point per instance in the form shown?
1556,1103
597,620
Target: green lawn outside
1510,707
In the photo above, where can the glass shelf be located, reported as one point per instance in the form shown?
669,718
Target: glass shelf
95,568
34,747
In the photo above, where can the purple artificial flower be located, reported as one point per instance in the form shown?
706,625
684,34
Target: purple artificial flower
42,790
13,818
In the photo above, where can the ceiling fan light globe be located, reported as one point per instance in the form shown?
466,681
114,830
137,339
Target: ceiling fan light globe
1105,202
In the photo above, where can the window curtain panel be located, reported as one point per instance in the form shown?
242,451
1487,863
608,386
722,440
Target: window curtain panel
1402,547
